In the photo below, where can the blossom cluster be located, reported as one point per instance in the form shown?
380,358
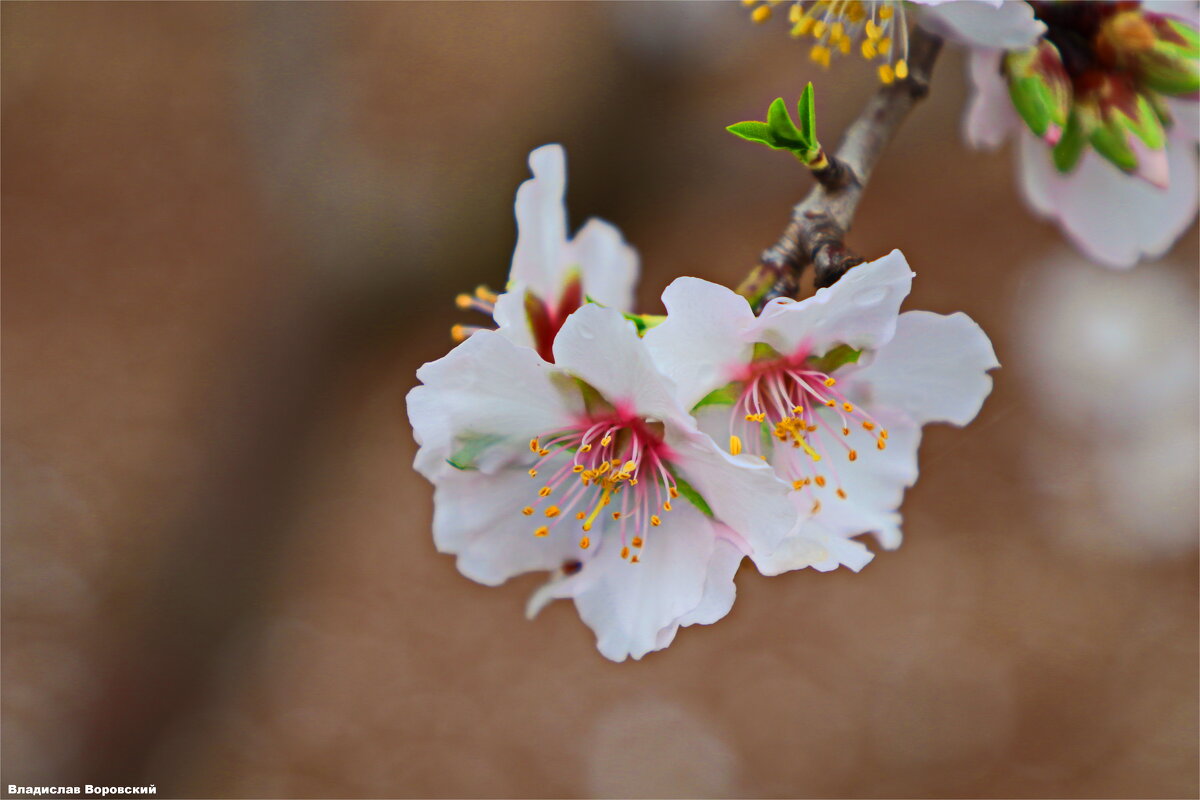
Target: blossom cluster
639,459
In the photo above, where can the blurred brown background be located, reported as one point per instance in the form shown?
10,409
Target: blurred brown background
231,234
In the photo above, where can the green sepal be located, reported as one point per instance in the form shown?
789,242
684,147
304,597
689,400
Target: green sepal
471,447
764,351
1110,141
727,395
1072,143
1039,87
644,322
686,490
1172,65
837,357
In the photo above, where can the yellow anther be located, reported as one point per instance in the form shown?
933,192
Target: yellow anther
798,485
816,506
624,552
830,382
544,491
820,54
533,445
868,52
803,26
527,511
485,294
886,12
673,491
873,30
902,69
585,543
667,506
845,431
884,45
616,515
843,45
836,30
587,448
542,531
605,467
748,3
881,444
635,559
533,473
735,445
848,407
841,493
578,468
795,13
458,333
819,29
852,455
543,452
883,434
655,520
797,409
551,512
820,479
831,403
812,428
630,466
581,515
813,454
606,441
464,301
587,524
637,541
761,14
886,74
868,425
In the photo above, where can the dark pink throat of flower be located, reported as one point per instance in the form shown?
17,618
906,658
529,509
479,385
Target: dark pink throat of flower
617,477
546,319
793,400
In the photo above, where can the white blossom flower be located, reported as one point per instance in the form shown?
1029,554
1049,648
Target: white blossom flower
552,275
833,390
1115,215
590,468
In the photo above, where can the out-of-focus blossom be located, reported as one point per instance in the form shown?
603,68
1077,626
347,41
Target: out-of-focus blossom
1105,112
591,469
833,390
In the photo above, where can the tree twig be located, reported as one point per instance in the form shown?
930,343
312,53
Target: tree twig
817,230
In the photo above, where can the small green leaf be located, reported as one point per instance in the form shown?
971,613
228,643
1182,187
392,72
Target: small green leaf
807,115
753,132
782,128
470,449
689,492
727,395
839,356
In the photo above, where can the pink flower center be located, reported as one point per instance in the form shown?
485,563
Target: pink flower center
617,459
790,400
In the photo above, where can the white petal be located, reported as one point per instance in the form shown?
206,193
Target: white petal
990,115
485,387
742,491
608,265
602,347
1114,218
630,606
513,321
934,369
859,310
541,224
703,340
815,546
719,588
478,518
1007,26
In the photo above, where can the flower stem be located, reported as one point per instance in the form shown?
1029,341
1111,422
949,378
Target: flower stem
817,229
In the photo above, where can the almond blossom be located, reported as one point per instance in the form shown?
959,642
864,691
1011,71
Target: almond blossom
1117,171
833,390
552,275
589,468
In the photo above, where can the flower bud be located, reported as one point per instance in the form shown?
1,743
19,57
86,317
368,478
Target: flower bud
1128,124
1163,52
1040,88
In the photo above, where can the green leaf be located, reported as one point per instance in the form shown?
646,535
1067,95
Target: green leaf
753,132
689,492
471,448
839,356
727,395
807,114
782,128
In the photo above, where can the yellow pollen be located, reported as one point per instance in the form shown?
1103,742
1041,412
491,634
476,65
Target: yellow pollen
636,541
812,428
533,473
667,506
673,491
527,511
820,54
655,520
884,45
836,30
819,29
458,333
735,445
798,409
831,403
868,425
542,531
886,74
544,491
852,455
798,485
868,52
630,466
464,301
841,493
847,407
616,515
605,467
902,69
748,3
830,382
873,30
803,26
552,511
585,543
820,479
761,14
795,13
633,481
624,552
843,45
606,441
